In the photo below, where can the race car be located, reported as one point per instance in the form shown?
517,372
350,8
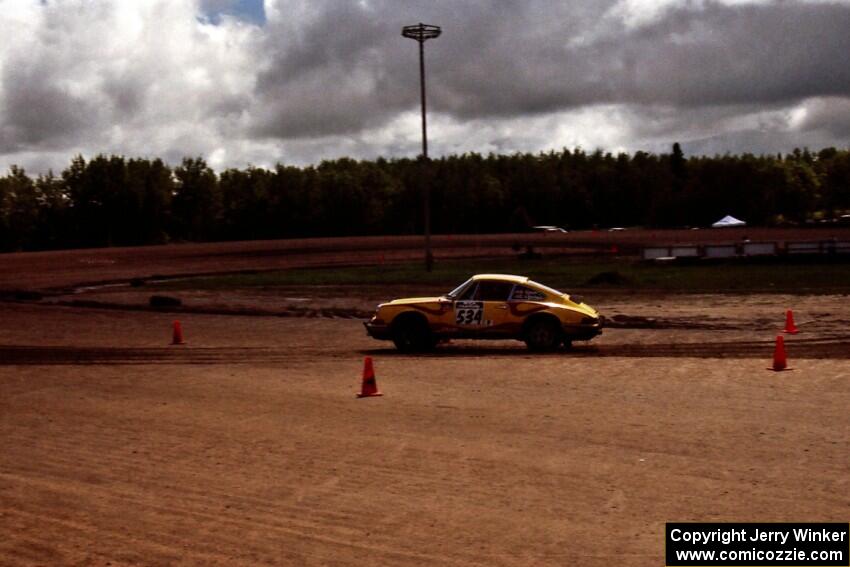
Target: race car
487,306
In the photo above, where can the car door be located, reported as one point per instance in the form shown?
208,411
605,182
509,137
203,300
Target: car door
494,294
524,301
468,312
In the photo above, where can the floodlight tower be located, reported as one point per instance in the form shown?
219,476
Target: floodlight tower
421,33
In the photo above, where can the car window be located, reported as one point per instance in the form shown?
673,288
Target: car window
494,291
548,289
456,291
523,293
469,293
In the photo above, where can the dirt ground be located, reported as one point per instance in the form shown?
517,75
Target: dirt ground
247,445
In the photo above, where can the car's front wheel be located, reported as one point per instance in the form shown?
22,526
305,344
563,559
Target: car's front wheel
542,335
411,334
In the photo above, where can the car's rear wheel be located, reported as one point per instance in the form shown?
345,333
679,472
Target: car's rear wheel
542,335
411,334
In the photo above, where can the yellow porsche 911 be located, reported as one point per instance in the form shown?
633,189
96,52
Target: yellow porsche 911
487,306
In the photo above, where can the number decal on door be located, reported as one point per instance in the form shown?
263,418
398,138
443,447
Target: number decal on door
468,313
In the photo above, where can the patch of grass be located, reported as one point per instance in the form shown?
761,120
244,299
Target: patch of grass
562,273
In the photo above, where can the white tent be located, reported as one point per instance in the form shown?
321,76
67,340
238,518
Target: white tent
728,220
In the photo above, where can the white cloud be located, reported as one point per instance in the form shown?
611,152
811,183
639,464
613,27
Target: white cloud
322,79
138,77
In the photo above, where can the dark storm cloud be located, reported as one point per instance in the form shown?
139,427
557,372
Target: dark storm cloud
736,54
44,106
341,68
36,111
346,68
831,115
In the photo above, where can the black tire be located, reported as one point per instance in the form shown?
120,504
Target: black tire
568,344
411,334
542,335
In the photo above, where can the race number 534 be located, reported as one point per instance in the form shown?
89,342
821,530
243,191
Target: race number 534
469,312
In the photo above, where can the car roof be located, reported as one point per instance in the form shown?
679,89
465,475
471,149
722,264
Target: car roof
501,277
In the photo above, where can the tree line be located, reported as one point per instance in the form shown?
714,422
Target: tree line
119,201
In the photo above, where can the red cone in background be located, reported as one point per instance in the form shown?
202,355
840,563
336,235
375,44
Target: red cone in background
177,334
790,327
370,386
780,361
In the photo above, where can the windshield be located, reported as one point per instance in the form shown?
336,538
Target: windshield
459,289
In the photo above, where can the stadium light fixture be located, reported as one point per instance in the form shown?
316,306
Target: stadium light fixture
421,33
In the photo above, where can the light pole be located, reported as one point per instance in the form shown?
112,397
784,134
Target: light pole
421,33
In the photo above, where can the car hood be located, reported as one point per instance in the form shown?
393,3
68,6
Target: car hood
413,300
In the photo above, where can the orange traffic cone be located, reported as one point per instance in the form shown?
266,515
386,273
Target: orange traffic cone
177,334
370,386
780,361
790,327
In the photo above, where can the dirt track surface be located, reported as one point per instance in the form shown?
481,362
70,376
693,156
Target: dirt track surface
41,270
247,446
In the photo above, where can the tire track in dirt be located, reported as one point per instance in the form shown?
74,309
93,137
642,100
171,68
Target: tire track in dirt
11,355
837,347
62,467
102,456
822,348
58,468
59,460
228,525
803,349
145,550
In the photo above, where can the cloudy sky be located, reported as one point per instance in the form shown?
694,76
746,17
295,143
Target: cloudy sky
242,82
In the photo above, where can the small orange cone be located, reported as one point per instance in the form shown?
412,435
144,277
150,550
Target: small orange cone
780,361
177,334
370,386
790,327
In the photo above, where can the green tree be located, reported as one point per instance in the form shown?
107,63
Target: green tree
196,204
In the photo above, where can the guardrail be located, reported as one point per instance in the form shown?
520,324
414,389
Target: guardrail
747,249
